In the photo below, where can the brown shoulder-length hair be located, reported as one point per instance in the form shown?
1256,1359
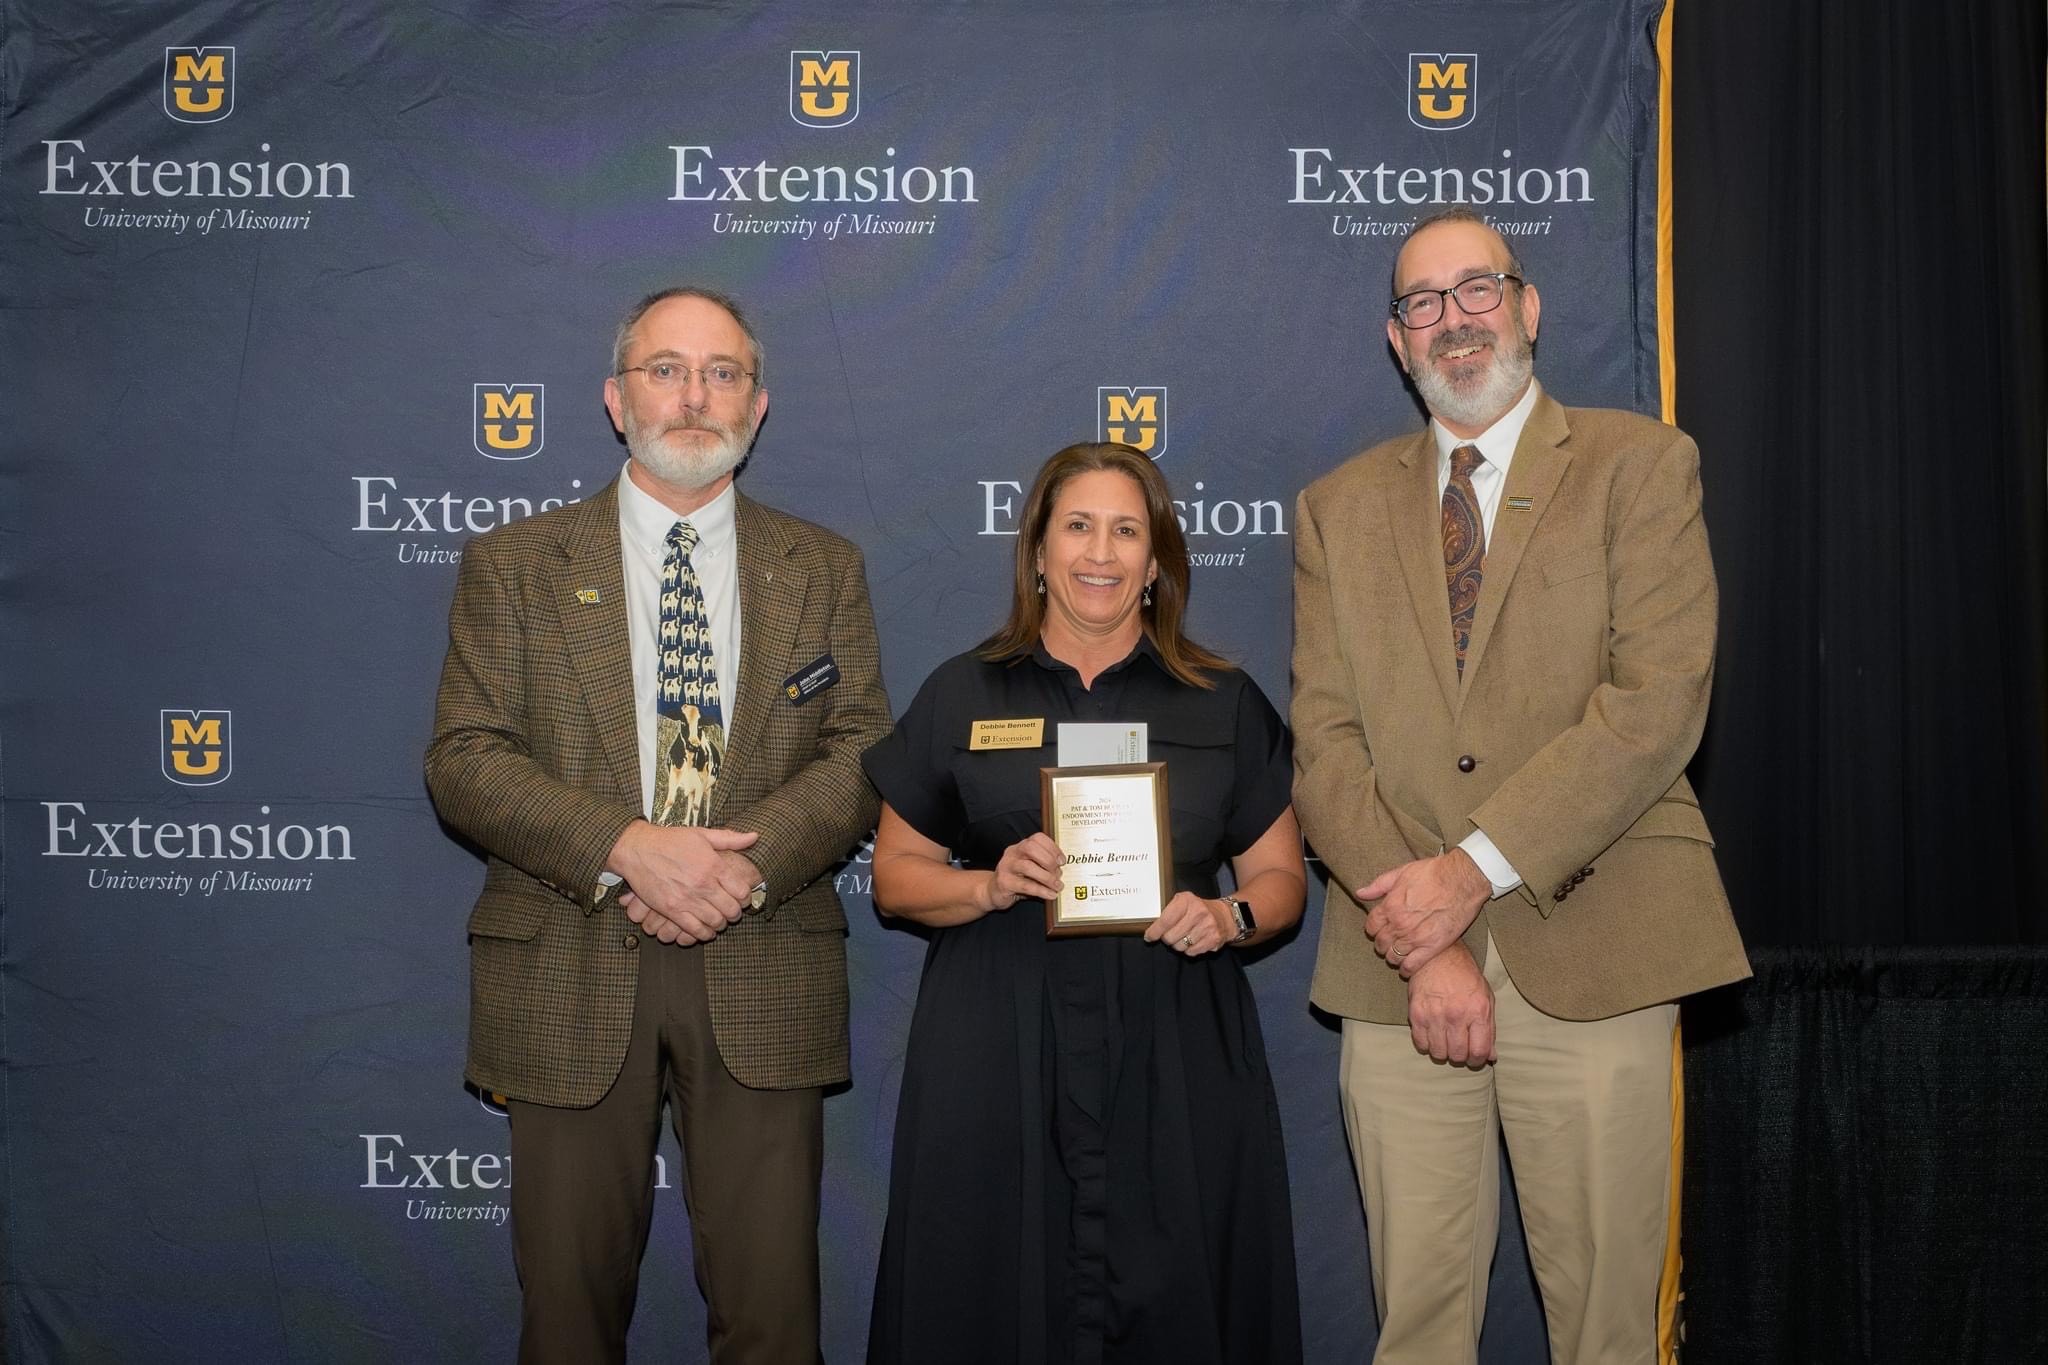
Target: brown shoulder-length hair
1183,658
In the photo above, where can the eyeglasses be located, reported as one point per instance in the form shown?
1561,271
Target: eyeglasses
720,376
1480,294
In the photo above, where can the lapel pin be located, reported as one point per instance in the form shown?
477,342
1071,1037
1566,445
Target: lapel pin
1520,504
587,596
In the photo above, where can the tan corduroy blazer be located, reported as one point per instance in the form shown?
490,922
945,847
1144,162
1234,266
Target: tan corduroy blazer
535,758
1583,697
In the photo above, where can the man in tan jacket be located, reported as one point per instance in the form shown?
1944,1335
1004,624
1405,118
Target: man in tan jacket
651,719
1504,640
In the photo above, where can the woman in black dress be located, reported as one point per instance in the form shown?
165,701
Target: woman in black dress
1088,1163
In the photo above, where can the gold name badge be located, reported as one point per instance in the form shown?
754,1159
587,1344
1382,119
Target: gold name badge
1007,734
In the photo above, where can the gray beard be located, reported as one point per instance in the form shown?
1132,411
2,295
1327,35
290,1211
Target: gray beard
1476,400
687,469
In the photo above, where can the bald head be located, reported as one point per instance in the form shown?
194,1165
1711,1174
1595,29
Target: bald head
1455,217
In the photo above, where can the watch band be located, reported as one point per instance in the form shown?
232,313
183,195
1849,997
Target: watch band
1241,911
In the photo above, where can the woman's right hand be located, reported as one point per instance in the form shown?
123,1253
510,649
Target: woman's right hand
1029,867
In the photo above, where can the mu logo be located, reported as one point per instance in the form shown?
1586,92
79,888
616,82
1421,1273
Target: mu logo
510,420
1133,417
1440,89
824,88
199,83
198,747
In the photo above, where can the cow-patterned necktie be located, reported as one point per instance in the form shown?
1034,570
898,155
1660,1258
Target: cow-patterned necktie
1464,546
689,722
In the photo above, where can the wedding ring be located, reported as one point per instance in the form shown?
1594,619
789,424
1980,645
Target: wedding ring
1186,940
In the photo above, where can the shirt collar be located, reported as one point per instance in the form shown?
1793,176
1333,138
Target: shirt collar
1496,443
646,522
1144,649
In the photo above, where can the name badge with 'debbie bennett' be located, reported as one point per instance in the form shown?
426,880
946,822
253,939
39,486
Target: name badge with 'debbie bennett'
1018,733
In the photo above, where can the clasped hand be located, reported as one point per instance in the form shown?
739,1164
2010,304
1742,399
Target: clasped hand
1450,1010
684,881
1424,907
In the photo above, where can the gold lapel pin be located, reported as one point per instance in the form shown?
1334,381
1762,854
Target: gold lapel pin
587,596
1520,504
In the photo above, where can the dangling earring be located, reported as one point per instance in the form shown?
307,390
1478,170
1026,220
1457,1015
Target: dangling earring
1041,585
1148,594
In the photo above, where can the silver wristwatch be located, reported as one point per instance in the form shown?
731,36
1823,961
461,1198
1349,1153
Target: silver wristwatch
1241,911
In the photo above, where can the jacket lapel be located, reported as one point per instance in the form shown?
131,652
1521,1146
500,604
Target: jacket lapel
1539,464
772,590
1415,510
590,595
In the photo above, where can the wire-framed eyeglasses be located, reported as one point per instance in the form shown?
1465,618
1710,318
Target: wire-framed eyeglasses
721,376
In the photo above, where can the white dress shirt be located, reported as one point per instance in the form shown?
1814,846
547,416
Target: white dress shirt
1497,449
644,525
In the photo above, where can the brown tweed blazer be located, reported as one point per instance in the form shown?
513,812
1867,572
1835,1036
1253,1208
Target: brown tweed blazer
1583,697
535,758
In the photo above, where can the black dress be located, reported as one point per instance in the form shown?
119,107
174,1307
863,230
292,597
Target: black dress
1088,1163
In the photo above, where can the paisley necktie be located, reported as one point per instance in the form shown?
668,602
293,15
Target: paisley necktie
1464,546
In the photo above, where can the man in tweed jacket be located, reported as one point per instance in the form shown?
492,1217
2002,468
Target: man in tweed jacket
617,962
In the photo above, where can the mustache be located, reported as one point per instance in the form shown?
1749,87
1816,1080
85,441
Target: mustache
691,421
1464,334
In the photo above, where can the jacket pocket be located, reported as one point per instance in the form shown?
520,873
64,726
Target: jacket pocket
512,905
1674,819
818,911
500,916
1563,568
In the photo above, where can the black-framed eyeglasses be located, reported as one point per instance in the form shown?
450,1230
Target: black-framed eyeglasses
721,376
1480,294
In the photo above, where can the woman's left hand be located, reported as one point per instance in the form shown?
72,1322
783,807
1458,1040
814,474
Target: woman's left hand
1191,925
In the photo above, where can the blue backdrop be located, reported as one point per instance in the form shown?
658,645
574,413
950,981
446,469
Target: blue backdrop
299,297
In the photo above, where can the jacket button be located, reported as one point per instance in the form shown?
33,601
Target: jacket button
632,942
1466,763
1587,871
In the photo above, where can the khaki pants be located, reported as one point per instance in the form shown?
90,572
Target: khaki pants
1587,1112
583,1190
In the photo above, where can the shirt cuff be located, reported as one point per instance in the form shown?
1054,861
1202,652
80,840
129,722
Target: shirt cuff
1497,868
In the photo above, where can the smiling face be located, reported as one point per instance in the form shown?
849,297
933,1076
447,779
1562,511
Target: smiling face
1469,369
1097,559
689,438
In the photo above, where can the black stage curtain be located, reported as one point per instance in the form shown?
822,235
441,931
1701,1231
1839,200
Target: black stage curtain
1864,1179
1861,278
